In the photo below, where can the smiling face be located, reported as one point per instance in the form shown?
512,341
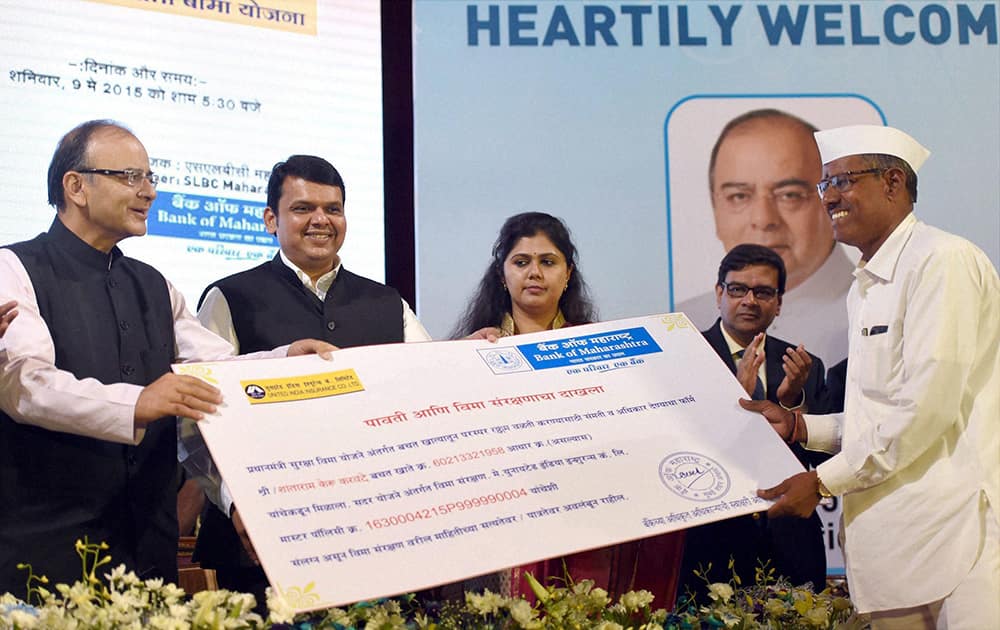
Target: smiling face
764,192
103,209
309,223
746,316
866,213
536,274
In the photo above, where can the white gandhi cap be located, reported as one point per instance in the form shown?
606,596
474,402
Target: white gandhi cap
861,139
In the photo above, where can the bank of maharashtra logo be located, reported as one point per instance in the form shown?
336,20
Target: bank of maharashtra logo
694,476
504,360
254,391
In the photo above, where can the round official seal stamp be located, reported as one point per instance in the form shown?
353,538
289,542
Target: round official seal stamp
694,476
504,360
254,391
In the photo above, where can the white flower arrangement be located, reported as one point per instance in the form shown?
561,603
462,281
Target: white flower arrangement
123,601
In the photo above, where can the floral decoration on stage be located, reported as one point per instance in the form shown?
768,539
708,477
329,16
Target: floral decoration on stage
122,600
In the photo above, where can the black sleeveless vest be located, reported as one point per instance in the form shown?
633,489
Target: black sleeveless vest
271,308
110,319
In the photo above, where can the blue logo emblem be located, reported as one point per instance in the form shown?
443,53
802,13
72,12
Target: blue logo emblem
504,360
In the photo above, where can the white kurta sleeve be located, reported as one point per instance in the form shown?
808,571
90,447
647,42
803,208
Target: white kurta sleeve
824,432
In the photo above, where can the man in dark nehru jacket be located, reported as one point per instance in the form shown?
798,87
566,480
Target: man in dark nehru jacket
88,441
749,292
303,291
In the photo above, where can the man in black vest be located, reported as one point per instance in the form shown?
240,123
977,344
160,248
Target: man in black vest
303,291
88,440
751,283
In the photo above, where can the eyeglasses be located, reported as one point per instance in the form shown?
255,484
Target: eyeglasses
739,290
843,181
132,175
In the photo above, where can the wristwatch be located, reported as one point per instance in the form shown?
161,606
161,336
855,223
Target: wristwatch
825,496
821,489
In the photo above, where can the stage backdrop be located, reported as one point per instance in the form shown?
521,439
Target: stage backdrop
604,114
218,91
567,107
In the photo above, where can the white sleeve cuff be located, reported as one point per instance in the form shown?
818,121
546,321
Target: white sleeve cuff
823,431
836,475
226,500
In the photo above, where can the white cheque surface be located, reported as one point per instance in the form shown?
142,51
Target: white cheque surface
399,467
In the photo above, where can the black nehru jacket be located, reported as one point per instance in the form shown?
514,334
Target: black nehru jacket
270,307
110,319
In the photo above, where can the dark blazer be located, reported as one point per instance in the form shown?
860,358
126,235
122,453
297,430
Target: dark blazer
793,547
832,400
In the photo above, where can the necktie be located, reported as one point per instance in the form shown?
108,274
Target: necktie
758,388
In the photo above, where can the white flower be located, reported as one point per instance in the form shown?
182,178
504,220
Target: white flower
154,584
720,590
583,586
488,603
129,600
521,612
22,619
178,611
239,604
161,622
633,601
599,598
280,610
208,609
78,596
122,578
339,616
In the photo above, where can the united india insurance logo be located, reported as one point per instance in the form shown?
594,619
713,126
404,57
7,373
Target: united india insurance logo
254,391
694,476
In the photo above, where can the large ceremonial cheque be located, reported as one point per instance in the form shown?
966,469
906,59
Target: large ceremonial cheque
398,467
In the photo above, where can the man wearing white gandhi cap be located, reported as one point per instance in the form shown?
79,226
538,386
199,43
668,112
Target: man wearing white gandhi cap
918,444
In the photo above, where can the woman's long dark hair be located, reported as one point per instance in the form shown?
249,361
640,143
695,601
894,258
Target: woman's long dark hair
491,299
